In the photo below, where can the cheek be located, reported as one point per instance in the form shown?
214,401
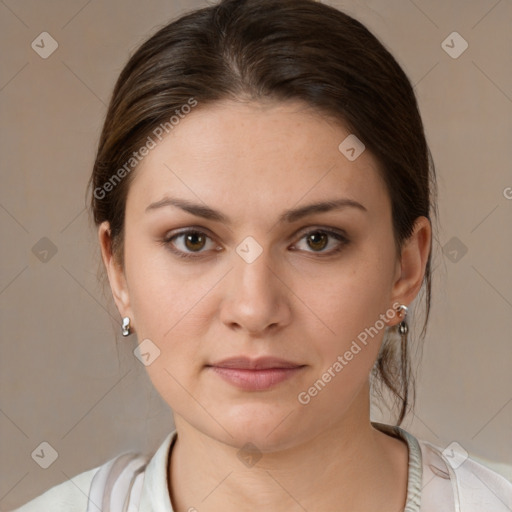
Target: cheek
172,307
350,297
159,292
353,306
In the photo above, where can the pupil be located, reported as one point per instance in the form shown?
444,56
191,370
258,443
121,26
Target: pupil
191,241
319,240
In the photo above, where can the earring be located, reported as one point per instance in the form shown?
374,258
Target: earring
125,329
403,328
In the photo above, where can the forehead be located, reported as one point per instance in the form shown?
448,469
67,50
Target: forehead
252,157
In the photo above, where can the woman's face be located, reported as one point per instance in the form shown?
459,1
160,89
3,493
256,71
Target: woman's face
260,275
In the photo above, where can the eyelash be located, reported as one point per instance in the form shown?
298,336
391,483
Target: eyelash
344,241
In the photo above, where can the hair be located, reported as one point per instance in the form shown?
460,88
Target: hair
276,50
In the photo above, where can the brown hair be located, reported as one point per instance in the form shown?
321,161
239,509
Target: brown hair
276,50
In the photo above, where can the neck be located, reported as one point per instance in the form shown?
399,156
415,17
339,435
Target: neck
349,466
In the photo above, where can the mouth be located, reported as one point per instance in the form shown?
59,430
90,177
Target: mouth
255,374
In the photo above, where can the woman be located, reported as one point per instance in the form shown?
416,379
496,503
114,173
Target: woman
263,194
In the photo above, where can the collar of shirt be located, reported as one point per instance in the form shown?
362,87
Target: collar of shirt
155,491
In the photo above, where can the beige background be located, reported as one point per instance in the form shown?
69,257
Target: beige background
67,375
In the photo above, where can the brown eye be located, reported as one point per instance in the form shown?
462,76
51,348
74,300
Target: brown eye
317,240
194,241
322,241
189,244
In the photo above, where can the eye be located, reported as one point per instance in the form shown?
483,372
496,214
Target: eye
319,239
192,243
186,243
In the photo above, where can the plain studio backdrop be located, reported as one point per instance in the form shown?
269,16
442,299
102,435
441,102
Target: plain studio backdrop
69,381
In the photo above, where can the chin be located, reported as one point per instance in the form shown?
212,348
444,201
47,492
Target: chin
266,426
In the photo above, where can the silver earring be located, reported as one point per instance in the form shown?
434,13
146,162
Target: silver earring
403,328
125,329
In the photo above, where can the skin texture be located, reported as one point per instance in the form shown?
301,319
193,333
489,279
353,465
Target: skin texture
253,161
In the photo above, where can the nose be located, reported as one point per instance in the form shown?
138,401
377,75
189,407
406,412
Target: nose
257,298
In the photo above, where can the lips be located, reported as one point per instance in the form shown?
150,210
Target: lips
261,363
255,374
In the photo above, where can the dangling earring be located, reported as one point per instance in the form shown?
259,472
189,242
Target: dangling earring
403,328
125,329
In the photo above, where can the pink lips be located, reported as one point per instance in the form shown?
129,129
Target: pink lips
255,374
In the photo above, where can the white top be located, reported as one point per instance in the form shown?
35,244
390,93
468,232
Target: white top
439,481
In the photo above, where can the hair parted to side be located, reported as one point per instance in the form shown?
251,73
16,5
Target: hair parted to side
278,50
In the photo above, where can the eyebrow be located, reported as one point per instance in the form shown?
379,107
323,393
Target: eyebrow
290,216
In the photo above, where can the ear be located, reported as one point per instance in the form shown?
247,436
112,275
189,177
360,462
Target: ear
411,268
115,273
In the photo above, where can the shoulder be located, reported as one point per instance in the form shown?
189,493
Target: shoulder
471,486
86,491
69,496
